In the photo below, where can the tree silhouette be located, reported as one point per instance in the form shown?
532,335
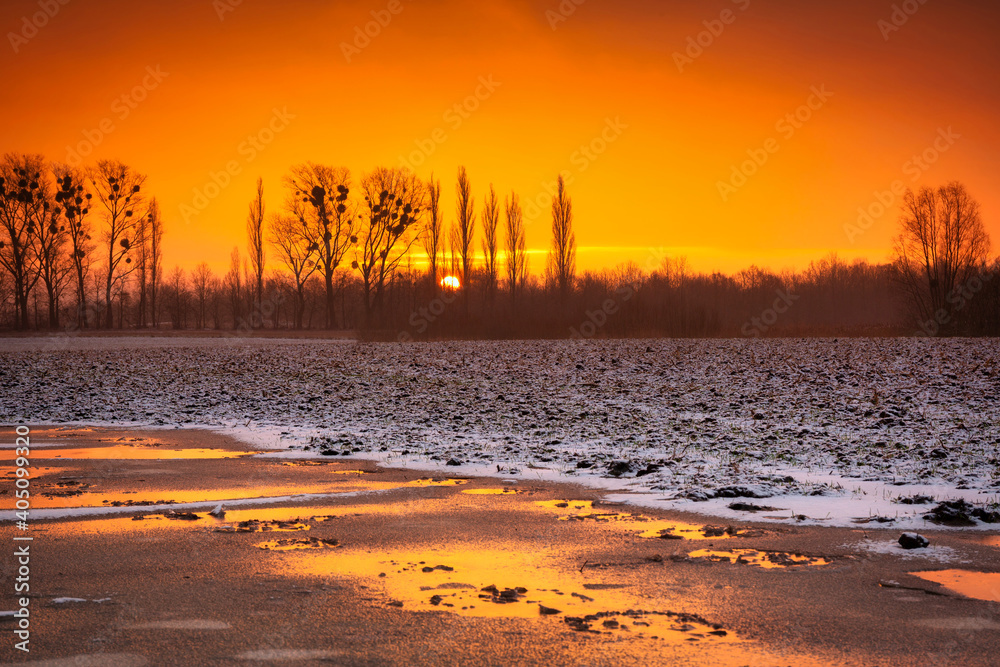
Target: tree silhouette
255,241
53,264
491,218
432,234
73,202
516,249
155,236
942,245
563,255
328,215
291,236
23,209
234,286
202,281
118,189
393,206
466,226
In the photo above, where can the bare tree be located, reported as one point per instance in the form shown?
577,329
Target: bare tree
491,219
255,241
516,250
941,246
73,201
328,215
299,253
432,234
53,263
141,252
23,209
454,250
202,281
178,288
234,287
394,202
118,190
155,226
466,229
563,255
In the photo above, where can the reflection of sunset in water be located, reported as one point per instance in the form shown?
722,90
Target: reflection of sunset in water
296,544
491,492
438,481
978,585
510,580
115,453
583,510
55,496
768,560
504,581
40,471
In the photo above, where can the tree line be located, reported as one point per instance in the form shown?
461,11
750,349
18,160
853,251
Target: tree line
81,248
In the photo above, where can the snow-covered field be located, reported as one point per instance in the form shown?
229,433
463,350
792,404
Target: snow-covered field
834,430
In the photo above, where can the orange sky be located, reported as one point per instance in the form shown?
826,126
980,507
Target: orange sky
609,67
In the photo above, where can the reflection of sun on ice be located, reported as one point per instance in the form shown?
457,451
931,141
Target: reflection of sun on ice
450,282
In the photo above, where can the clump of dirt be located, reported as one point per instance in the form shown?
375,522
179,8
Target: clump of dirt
693,627
258,526
764,559
960,513
291,543
66,489
493,594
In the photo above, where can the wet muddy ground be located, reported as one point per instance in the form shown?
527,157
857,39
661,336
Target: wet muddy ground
184,547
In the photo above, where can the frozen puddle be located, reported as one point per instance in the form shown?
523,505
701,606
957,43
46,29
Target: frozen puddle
80,512
505,582
506,491
78,494
583,510
438,481
978,585
768,560
265,526
125,452
291,544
